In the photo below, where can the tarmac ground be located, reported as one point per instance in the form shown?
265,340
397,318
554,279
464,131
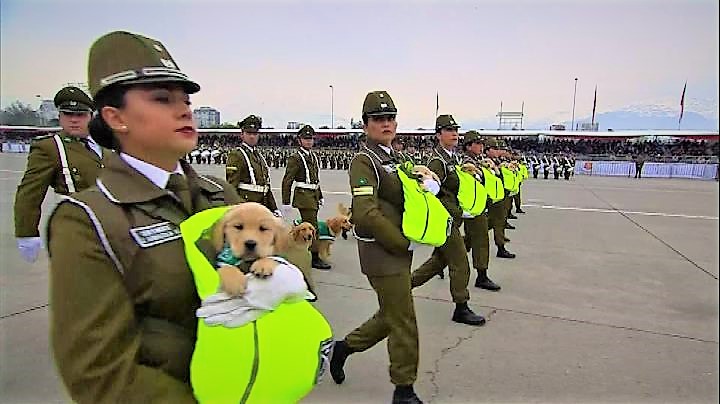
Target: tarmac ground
613,298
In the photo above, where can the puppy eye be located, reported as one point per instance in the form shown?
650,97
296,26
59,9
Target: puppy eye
238,226
263,228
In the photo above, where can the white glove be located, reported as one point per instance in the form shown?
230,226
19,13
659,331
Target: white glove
29,247
322,201
413,245
467,215
432,186
278,213
262,295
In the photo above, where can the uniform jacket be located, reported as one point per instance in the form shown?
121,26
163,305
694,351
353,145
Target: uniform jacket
238,172
377,211
45,169
122,296
296,172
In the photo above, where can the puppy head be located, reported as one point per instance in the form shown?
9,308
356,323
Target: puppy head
303,233
336,224
251,231
424,172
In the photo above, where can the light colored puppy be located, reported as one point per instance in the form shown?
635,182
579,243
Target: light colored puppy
248,232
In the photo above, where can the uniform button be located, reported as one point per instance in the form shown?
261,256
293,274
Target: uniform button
102,165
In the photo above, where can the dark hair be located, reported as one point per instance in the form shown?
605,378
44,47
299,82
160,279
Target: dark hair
113,96
365,119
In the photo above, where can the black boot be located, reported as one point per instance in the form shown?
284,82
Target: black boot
464,315
405,395
511,216
503,253
344,234
442,274
483,282
509,226
318,263
340,353
519,210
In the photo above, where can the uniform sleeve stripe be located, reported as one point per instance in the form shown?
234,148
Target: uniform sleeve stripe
362,191
100,232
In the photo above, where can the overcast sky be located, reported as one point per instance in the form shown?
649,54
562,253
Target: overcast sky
278,58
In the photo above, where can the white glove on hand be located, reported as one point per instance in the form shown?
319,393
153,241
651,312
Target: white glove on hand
432,186
466,215
29,248
278,213
413,245
322,201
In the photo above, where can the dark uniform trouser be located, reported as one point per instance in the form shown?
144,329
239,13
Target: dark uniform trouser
507,202
638,170
310,216
453,255
496,222
394,320
477,238
517,200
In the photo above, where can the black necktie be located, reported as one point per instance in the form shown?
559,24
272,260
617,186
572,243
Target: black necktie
178,185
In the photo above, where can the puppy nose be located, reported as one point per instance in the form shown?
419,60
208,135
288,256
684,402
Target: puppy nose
250,244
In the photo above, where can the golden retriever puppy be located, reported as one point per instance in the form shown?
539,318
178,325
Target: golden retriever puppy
423,173
248,232
298,250
470,169
330,229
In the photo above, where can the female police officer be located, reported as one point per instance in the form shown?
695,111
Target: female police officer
385,253
123,299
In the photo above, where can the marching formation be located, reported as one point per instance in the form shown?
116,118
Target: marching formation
125,298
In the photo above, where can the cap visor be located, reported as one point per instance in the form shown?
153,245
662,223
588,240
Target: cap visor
68,109
381,114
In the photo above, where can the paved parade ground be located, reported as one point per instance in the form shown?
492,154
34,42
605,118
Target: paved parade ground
613,298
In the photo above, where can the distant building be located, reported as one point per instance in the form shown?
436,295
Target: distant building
589,127
49,115
557,127
206,117
293,125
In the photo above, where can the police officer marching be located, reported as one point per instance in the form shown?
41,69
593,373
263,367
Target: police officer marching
385,252
497,211
476,228
122,296
453,253
247,169
303,170
69,162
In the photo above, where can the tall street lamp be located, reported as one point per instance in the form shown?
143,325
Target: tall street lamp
332,107
572,125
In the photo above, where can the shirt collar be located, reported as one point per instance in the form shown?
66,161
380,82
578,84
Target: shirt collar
94,146
305,151
155,174
386,149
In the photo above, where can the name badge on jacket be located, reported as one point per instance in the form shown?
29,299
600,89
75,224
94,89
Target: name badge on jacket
154,234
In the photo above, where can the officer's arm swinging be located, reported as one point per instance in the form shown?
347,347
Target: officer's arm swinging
39,175
291,172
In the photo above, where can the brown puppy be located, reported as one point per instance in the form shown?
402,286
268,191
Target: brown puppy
252,233
298,250
335,225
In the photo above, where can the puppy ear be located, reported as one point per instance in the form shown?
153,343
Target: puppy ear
294,233
218,233
335,225
281,237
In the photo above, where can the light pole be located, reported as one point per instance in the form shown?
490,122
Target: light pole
572,125
332,107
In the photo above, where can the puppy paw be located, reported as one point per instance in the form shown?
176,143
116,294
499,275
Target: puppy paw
263,267
232,280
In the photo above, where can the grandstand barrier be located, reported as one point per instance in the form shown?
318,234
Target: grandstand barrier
14,147
699,171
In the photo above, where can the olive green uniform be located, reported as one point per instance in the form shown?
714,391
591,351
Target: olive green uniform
248,172
377,207
452,254
303,169
122,296
46,167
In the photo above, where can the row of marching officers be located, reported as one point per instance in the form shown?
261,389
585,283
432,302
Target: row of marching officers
398,205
